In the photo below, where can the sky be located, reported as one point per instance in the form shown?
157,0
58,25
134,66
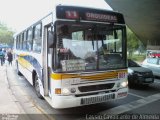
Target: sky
18,14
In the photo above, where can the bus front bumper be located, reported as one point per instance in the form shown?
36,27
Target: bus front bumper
72,101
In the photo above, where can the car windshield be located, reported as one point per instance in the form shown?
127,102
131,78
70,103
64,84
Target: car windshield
89,47
131,63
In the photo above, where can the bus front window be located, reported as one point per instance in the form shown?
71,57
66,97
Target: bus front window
84,47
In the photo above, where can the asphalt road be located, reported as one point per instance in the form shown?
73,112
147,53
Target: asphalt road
140,100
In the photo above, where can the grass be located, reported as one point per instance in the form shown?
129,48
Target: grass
137,58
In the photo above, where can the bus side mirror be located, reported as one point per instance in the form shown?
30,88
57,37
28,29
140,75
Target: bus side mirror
51,39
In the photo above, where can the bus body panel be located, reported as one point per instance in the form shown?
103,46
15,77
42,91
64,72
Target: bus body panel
68,88
75,99
72,101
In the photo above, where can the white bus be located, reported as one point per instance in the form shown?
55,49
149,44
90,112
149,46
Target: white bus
75,56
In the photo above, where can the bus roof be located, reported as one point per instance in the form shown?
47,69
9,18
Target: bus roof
83,13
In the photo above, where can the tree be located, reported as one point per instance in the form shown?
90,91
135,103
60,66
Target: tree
6,35
132,42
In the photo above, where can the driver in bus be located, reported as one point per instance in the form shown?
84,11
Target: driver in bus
63,31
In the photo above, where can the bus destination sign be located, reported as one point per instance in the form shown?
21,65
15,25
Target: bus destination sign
101,17
79,13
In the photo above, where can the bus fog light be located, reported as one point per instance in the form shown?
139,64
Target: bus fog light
65,91
73,90
124,84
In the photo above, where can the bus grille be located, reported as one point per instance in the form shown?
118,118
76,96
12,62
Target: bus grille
97,99
95,87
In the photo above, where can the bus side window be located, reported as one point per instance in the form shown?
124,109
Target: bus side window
29,39
20,42
37,38
25,41
17,42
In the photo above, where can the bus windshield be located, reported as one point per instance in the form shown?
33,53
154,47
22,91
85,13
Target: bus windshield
89,47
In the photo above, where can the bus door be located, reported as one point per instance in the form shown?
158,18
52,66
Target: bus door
48,51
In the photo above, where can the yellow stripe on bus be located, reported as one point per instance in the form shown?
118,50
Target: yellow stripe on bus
126,71
56,76
24,62
23,54
100,76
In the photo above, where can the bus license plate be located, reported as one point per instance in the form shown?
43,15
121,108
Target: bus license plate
97,99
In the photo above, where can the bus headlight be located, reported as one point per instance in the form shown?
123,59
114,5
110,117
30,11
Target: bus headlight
65,91
124,83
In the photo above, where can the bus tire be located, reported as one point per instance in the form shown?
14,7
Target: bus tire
17,69
37,88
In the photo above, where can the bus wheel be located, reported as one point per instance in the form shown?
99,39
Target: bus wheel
37,88
17,69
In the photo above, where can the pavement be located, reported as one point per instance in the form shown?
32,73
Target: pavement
15,104
8,102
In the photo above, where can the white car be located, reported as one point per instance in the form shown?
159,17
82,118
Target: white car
153,64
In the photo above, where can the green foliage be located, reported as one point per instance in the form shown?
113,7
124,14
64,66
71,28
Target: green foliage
132,40
138,58
133,43
6,35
